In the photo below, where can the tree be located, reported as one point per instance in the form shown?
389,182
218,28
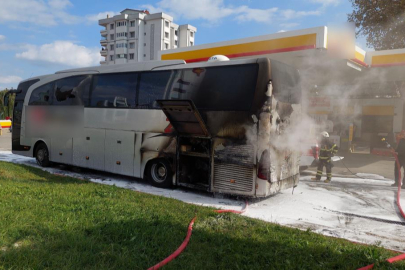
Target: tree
382,22
6,110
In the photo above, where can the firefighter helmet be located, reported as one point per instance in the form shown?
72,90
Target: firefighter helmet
325,134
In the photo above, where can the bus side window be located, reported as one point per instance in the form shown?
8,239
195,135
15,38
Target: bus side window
116,90
72,90
152,87
42,95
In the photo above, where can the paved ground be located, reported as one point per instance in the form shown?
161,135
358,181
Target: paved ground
362,163
5,140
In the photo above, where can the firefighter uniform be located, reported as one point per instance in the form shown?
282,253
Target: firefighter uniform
326,152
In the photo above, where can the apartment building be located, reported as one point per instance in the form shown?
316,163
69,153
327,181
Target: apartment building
137,35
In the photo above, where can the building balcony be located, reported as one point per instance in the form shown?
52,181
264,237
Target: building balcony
103,62
103,52
103,33
103,42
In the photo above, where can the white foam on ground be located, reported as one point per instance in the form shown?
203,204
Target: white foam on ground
370,176
312,206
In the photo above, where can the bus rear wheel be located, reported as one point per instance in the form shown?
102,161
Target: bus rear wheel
159,173
42,155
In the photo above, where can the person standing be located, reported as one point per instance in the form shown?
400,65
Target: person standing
400,150
327,150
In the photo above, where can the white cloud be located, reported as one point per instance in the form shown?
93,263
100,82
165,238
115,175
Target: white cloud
289,25
99,16
215,10
13,46
37,12
2,37
10,79
292,14
62,52
59,4
258,15
327,2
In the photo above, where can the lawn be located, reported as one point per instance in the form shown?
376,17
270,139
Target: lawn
49,221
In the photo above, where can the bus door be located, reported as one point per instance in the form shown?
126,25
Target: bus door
194,144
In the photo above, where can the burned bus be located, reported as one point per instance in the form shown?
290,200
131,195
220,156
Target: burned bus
211,126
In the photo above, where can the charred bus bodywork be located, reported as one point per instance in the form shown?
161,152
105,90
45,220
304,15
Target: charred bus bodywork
209,126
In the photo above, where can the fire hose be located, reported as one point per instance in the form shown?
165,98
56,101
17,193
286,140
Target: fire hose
402,256
183,245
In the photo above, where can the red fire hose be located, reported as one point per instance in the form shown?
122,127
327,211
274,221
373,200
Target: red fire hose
233,211
179,250
402,256
187,239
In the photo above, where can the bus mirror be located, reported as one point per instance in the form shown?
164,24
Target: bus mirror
269,91
254,118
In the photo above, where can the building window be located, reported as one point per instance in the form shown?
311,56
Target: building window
111,57
132,45
124,23
191,43
144,34
144,44
122,45
132,23
175,32
144,55
111,26
112,36
112,47
121,56
175,42
166,46
131,56
191,34
166,23
166,35
131,34
123,34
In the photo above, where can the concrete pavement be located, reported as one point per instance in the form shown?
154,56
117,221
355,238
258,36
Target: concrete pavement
361,163
5,140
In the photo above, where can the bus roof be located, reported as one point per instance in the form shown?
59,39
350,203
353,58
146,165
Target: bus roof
147,65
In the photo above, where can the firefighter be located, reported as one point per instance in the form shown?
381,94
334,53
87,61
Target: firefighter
401,158
327,150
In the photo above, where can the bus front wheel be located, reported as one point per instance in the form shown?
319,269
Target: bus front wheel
159,173
42,155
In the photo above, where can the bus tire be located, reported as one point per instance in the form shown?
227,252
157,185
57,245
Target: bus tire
159,173
42,155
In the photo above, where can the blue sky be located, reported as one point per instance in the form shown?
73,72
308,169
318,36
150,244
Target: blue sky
42,36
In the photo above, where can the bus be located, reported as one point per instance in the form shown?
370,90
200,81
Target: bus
210,126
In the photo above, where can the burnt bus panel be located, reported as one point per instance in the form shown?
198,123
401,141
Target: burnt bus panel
234,179
234,169
286,83
184,117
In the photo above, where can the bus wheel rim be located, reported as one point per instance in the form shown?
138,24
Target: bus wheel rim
41,154
159,172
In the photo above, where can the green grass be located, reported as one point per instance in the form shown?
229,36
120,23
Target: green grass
48,221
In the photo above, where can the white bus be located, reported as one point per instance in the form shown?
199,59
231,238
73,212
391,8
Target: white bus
208,126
